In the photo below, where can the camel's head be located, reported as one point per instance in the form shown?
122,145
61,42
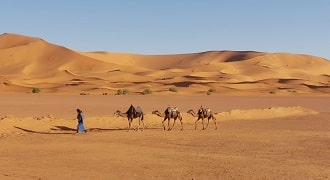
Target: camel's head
117,113
155,112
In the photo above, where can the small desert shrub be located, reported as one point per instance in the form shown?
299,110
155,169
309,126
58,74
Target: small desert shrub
292,91
122,92
173,89
126,91
119,92
36,90
211,90
146,91
272,92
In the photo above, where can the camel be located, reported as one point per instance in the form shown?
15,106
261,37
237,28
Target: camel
131,114
204,113
168,114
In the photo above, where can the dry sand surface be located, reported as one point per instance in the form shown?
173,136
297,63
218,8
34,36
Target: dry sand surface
257,138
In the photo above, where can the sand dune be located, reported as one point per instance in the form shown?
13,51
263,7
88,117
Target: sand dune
9,40
28,62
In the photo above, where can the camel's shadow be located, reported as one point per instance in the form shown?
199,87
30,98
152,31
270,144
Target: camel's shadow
65,128
68,130
40,132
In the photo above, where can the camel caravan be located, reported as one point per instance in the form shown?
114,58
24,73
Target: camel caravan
167,115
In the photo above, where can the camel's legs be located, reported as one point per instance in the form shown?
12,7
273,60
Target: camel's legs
181,124
215,123
196,123
168,124
208,120
203,123
173,124
163,123
142,125
139,124
129,124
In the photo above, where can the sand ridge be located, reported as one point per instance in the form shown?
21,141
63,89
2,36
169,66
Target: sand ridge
49,124
45,113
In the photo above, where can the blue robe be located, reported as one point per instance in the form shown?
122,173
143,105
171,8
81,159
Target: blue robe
80,126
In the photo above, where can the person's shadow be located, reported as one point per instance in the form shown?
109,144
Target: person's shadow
61,129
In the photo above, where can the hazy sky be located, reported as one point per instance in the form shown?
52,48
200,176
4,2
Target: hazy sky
174,26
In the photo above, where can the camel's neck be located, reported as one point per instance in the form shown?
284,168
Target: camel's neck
192,112
159,114
118,113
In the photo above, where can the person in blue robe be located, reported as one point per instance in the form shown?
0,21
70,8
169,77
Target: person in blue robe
81,118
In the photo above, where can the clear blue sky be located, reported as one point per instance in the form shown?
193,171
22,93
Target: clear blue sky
174,26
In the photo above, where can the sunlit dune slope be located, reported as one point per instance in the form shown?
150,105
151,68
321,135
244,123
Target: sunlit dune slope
28,62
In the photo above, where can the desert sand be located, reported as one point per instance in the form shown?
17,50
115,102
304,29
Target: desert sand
272,111
257,138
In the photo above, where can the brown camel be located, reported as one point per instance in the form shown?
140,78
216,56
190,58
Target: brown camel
204,113
168,114
131,114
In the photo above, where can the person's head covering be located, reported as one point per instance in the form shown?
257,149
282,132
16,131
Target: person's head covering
79,110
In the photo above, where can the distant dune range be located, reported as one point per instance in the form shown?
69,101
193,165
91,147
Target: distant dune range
28,62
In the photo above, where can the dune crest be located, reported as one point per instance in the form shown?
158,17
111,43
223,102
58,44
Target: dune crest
27,62
267,113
